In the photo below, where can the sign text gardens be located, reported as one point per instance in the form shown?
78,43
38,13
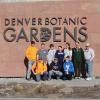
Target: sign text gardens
43,29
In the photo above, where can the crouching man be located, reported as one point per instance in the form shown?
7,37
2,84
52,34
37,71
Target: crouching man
39,70
55,69
68,68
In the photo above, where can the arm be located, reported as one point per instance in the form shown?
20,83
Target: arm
83,57
56,54
92,54
72,67
73,54
33,68
45,68
50,67
37,57
47,57
27,53
70,54
64,67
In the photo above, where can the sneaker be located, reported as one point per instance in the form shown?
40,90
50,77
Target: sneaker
28,79
49,79
64,78
58,78
89,78
77,77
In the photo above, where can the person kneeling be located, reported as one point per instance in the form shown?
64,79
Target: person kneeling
39,69
55,69
68,68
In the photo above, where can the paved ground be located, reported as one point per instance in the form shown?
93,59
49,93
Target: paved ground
15,89
40,99
71,83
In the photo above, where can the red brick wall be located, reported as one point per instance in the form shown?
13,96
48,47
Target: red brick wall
12,53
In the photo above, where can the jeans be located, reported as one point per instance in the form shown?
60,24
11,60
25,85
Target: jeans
68,76
55,73
89,68
43,76
28,73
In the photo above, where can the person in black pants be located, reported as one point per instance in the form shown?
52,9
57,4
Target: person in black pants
78,61
60,56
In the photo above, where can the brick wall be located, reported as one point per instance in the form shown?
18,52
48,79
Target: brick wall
12,53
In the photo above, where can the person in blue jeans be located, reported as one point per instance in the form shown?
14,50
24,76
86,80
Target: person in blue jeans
39,70
55,69
89,56
68,68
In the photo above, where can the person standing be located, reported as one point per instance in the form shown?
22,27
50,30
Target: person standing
42,53
31,55
60,56
78,61
89,56
68,50
51,54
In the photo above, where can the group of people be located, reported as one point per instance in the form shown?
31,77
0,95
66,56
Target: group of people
65,63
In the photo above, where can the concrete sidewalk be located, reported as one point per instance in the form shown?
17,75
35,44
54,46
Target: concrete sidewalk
42,99
69,83
79,95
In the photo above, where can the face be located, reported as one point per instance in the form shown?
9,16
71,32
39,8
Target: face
87,47
52,47
66,45
59,48
39,60
55,61
66,58
32,45
42,46
77,45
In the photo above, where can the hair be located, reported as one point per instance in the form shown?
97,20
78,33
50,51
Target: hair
42,44
69,47
32,42
77,42
42,61
56,59
51,45
68,57
60,46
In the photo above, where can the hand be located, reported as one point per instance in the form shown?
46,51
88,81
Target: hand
91,59
41,73
67,72
46,62
34,73
54,71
